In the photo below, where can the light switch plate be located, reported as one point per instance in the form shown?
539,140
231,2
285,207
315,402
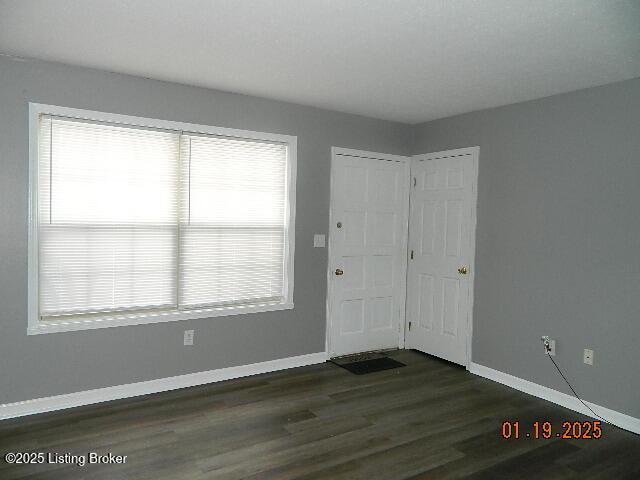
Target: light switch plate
318,240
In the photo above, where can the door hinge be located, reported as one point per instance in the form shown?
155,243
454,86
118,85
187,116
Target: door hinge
409,326
414,181
411,254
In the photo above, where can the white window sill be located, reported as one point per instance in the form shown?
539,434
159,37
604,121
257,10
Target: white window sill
143,319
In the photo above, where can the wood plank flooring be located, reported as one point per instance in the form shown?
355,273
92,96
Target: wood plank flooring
428,420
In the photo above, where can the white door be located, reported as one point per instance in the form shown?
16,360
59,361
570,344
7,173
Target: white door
441,253
367,251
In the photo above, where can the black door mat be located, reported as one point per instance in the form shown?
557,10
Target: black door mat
369,364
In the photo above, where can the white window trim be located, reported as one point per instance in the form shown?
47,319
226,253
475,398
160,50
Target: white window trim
36,326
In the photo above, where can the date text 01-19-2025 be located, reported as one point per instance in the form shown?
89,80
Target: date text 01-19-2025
545,430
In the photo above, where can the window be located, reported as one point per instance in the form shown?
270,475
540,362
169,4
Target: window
139,221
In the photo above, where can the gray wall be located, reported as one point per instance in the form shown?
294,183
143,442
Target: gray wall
558,237
43,365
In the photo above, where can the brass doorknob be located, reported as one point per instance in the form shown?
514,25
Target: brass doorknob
462,270
339,271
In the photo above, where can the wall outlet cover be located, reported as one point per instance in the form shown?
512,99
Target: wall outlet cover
588,356
552,348
188,337
552,345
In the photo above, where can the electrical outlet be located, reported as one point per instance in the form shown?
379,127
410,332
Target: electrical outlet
588,356
188,337
552,348
549,345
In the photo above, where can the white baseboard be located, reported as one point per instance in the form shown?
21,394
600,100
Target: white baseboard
618,419
87,397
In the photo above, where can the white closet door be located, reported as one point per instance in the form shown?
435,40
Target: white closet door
441,250
367,264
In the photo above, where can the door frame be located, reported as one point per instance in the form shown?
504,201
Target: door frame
475,154
406,160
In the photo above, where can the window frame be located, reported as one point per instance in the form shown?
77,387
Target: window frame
35,326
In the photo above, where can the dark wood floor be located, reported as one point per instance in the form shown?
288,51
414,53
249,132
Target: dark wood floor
429,420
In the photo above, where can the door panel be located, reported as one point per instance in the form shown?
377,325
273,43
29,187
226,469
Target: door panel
369,199
441,238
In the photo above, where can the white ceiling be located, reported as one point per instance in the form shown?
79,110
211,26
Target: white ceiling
405,60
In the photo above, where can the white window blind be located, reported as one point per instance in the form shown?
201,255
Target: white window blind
137,220
232,238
